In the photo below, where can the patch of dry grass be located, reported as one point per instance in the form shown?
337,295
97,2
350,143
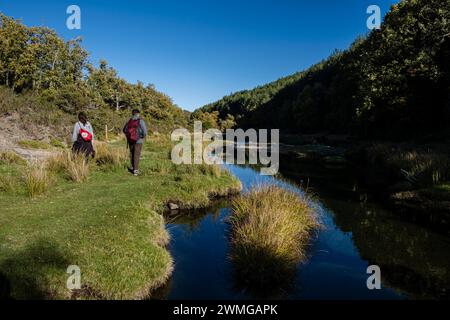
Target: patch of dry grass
107,155
37,180
270,228
74,166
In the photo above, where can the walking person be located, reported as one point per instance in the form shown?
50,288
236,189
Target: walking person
135,130
82,136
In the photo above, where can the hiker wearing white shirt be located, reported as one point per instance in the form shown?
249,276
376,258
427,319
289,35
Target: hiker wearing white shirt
82,136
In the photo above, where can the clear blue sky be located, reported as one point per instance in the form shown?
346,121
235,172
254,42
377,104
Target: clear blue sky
198,51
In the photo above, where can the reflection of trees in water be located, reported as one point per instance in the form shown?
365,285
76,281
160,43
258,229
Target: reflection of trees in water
412,259
192,219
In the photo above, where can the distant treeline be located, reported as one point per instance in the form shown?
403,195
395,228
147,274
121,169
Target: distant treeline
393,83
35,60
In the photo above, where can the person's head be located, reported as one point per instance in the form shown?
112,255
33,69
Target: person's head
135,112
82,117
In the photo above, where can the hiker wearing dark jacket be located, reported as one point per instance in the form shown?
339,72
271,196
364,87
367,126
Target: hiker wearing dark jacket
135,130
82,136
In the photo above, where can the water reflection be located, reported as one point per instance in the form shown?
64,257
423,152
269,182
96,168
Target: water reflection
414,261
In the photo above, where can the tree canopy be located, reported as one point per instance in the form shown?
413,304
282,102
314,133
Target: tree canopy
36,59
393,82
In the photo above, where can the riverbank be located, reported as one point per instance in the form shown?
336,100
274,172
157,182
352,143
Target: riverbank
411,178
110,226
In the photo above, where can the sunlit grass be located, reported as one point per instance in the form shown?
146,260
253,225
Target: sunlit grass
33,144
37,180
110,225
9,157
270,228
107,155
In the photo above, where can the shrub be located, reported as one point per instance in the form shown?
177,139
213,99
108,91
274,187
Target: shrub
270,227
11,158
37,180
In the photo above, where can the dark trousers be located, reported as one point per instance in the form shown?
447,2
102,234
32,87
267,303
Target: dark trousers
135,154
84,147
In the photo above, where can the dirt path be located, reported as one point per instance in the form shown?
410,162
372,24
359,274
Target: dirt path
11,134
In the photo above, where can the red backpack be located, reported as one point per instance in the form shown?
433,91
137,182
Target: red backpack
85,135
133,130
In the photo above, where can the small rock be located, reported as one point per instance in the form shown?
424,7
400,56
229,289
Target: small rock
173,206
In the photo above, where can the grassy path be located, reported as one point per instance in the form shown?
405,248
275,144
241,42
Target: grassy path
110,226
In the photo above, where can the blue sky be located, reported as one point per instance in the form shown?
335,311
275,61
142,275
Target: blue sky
198,51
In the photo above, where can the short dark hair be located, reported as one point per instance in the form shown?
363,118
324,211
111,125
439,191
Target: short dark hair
82,115
135,111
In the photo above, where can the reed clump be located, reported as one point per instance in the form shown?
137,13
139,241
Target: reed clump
74,167
37,180
109,156
270,228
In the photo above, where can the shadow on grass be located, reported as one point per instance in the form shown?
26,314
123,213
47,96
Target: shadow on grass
26,274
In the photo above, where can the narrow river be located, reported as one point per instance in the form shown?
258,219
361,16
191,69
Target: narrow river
414,261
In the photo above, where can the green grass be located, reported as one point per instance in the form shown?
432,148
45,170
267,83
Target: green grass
10,157
270,228
110,226
34,144
57,143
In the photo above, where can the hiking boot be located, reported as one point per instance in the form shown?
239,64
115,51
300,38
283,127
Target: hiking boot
136,173
131,170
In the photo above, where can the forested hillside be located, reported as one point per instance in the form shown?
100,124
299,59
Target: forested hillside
41,75
393,83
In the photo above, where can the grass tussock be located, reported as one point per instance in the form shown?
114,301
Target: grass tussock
270,228
73,166
109,156
37,180
77,168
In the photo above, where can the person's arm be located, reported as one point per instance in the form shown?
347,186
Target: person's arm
125,128
92,131
76,130
144,128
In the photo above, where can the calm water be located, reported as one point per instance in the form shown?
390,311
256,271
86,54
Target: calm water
415,262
